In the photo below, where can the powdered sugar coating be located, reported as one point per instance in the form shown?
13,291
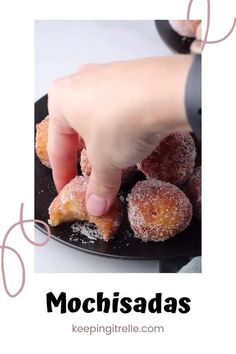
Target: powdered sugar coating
173,160
86,168
85,165
158,210
70,205
192,189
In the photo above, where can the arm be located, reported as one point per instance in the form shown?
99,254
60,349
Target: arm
121,110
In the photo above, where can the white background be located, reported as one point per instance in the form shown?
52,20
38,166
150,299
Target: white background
25,325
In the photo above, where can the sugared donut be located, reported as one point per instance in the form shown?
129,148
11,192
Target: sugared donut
85,164
69,205
86,168
41,141
173,160
192,189
158,210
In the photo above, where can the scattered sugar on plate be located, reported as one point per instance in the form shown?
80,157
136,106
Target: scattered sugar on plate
86,229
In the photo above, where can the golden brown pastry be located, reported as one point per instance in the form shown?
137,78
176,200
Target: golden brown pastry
41,141
173,160
158,210
69,206
85,165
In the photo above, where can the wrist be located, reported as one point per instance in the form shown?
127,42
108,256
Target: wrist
169,86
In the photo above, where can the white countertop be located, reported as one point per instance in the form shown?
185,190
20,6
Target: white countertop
60,48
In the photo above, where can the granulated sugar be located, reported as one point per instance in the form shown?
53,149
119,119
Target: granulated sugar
86,229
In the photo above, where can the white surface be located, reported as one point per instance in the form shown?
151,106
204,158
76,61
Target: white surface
60,48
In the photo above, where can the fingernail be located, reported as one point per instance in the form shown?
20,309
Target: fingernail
96,205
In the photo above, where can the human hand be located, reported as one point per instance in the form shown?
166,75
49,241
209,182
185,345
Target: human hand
121,110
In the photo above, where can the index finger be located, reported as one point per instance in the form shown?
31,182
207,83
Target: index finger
62,151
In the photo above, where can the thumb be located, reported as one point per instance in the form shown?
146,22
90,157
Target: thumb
104,184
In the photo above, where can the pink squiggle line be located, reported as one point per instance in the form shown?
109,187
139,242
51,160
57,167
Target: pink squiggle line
3,247
205,41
